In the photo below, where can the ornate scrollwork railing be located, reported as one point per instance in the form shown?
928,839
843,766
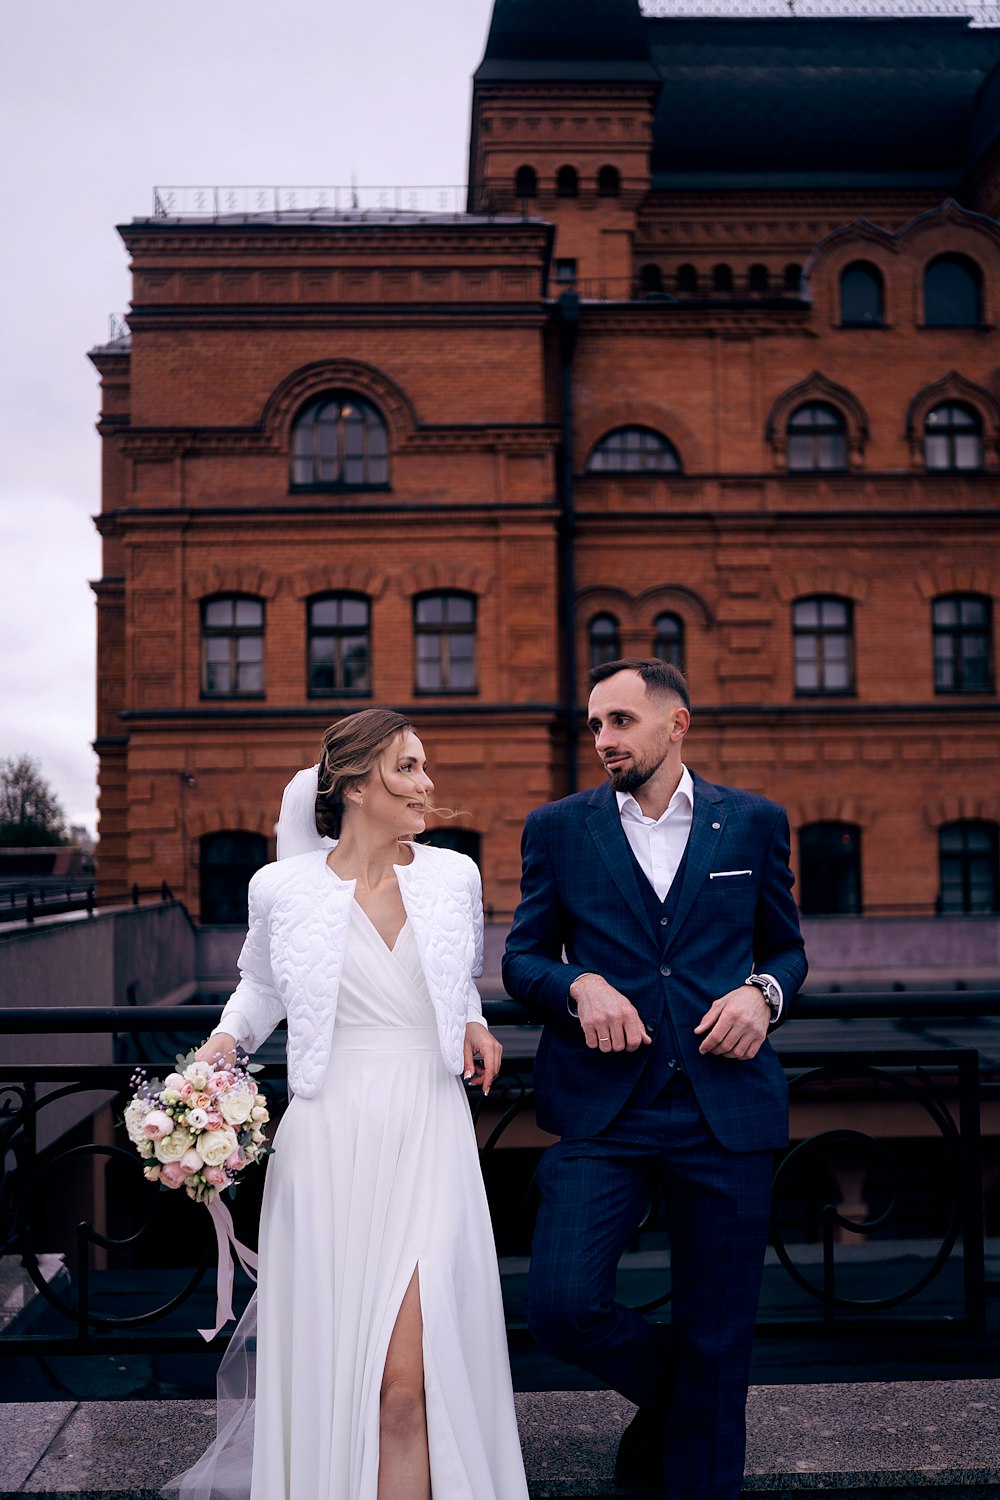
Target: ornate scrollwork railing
942,1085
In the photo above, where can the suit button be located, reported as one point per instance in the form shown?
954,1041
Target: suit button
665,970
664,921
650,1027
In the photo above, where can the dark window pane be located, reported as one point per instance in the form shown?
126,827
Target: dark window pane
963,644
951,293
634,450
830,869
823,645
968,867
861,295
249,612
340,441
227,861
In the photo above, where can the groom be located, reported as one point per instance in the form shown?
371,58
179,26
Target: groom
657,933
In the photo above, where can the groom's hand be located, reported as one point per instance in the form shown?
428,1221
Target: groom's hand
610,1022
735,1024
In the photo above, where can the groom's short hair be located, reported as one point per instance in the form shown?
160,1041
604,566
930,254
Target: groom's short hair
659,676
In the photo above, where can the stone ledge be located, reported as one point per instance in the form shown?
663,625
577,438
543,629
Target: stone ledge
895,1441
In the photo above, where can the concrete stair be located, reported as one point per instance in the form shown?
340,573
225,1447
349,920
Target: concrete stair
894,1441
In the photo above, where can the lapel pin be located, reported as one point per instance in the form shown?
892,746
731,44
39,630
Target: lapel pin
716,825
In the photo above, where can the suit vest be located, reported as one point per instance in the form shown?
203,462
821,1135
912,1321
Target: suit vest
661,1057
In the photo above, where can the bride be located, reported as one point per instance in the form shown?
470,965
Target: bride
381,1358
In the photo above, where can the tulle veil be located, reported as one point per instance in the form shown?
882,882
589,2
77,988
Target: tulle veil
223,1470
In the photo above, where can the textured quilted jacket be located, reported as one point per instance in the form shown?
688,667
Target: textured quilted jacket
293,956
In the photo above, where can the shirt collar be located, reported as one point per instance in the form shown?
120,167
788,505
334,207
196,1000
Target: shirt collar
628,807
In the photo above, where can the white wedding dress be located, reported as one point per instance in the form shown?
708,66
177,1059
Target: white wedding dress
375,1177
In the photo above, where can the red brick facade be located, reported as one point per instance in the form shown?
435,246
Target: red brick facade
450,328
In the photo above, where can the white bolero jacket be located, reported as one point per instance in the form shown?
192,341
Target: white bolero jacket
292,959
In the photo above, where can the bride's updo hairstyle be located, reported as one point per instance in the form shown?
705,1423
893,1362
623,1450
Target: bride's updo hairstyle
352,749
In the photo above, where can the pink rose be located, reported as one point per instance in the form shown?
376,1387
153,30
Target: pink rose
216,1176
190,1161
218,1082
174,1081
186,1093
234,1162
156,1125
173,1174
251,1086
215,1122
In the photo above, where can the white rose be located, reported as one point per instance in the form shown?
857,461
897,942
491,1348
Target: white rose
135,1114
215,1146
259,1113
197,1119
146,1149
198,1074
173,1146
235,1105
174,1082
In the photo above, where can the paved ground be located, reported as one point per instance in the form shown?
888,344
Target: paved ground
922,1439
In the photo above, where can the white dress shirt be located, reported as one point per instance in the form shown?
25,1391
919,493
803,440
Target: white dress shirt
659,843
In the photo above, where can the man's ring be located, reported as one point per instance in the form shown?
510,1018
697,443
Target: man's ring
605,1038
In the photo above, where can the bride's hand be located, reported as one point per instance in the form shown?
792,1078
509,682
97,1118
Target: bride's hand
482,1056
222,1043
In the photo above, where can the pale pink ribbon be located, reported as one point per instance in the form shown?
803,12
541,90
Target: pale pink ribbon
222,1219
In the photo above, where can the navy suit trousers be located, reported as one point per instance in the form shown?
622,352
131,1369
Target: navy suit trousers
594,1192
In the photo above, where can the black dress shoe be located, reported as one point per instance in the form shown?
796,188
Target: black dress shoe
640,1452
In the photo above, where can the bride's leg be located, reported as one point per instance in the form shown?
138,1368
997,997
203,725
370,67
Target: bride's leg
404,1465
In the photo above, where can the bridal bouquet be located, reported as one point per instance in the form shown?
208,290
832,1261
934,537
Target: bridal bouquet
199,1127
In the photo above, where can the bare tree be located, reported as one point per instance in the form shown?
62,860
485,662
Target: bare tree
30,812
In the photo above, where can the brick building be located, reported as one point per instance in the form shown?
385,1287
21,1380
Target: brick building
704,368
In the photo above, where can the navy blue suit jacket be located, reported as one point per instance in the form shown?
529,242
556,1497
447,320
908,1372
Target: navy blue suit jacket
581,911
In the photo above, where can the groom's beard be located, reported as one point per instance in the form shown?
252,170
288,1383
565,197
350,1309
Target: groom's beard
630,777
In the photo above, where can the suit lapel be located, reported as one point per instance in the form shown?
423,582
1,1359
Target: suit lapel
707,825
605,826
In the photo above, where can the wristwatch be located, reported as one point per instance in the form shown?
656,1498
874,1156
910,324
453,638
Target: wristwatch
769,990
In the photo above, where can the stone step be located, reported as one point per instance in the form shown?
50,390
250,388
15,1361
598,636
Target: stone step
914,1440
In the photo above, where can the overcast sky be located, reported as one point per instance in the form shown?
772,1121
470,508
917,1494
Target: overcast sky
100,100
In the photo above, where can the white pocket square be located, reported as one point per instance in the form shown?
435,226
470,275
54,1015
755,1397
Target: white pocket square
723,874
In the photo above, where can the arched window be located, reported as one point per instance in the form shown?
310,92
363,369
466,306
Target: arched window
963,643
339,645
953,437
232,647
758,279
567,183
444,627
650,280
609,183
526,183
634,450
722,278
861,296
817,437
967,852
793,278
686,278
668,639
339,442
605,641
226,862
953,296
823,644
829,869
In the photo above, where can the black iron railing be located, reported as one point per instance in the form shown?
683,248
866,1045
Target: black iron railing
941,1088
28,902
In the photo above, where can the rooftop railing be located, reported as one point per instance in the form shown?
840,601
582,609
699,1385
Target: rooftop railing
979,12
260,201
121,1222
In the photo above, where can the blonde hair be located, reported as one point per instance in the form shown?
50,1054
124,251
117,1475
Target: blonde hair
352,748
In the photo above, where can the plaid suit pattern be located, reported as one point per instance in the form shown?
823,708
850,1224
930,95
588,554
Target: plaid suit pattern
708,1135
